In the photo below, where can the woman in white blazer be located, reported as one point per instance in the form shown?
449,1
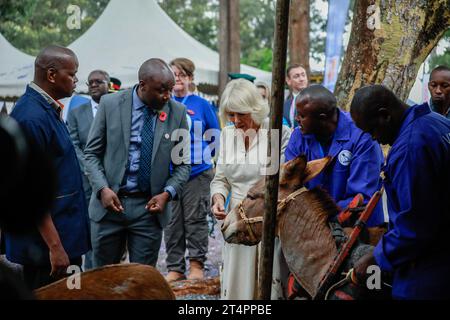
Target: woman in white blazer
241,163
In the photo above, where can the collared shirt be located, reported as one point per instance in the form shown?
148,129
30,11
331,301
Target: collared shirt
58,106
94,106
416,180
433,108
355,168
130,183
292,111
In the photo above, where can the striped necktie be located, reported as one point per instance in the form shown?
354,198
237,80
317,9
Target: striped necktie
145,162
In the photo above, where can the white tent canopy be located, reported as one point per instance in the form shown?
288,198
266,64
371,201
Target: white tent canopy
16,69
125,35
130,32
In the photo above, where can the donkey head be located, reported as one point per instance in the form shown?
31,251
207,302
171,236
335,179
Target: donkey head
243,225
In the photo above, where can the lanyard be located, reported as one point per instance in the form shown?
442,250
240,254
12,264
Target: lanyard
185,99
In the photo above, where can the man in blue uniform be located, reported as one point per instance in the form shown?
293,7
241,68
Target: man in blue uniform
63,236
327,131
439,87
417,183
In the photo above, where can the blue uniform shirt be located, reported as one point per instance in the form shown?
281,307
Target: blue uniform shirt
355,168
202,118
42,124
417,183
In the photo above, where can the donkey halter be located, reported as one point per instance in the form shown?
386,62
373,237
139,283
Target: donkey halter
280,207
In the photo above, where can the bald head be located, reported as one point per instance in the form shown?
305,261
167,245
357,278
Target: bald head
155,68
369,99
322,97
317,112
377,111
55,71
52,57
156,81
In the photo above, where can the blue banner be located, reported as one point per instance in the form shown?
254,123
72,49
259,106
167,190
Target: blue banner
337,16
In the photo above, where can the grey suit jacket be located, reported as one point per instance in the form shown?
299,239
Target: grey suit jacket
106,152
79,121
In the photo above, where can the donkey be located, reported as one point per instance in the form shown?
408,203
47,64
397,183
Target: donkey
303,228
114,282
243,225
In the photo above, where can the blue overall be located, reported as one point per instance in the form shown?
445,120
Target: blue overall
355,168
417,182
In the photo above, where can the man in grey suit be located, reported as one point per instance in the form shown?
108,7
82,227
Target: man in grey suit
127,158
79,121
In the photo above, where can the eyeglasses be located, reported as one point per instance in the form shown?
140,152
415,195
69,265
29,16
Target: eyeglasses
180,75
96,81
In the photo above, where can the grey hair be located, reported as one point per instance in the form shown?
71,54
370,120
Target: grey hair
266,87
242,96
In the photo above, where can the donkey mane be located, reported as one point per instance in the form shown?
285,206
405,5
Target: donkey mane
322,201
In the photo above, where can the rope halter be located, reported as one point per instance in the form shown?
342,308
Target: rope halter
281,206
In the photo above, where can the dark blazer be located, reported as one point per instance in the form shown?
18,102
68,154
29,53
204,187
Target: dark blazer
79,122
43,126
106,152
286,109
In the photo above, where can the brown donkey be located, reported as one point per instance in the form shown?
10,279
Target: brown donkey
306,238
115,282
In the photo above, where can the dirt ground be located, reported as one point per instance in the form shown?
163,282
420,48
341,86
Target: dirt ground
214,256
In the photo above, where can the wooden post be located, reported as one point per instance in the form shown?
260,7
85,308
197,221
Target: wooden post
272,181
229,40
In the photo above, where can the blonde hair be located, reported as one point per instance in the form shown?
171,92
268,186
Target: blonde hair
242,96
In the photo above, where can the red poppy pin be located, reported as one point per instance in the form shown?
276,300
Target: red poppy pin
191,112
162,116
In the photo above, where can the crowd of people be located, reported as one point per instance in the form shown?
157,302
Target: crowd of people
156,158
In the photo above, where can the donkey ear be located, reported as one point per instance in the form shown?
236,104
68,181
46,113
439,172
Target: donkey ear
314,167
291,169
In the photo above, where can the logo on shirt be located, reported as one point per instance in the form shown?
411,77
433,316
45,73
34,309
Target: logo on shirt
345,157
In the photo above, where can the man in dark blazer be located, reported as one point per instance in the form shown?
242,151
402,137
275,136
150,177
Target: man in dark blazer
63,235
79,121
297,80
128,159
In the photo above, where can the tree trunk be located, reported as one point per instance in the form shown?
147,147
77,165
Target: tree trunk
299,33
229,41
389,41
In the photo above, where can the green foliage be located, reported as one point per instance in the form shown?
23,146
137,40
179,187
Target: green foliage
440,60
443,59
261,58
256,30
31,25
